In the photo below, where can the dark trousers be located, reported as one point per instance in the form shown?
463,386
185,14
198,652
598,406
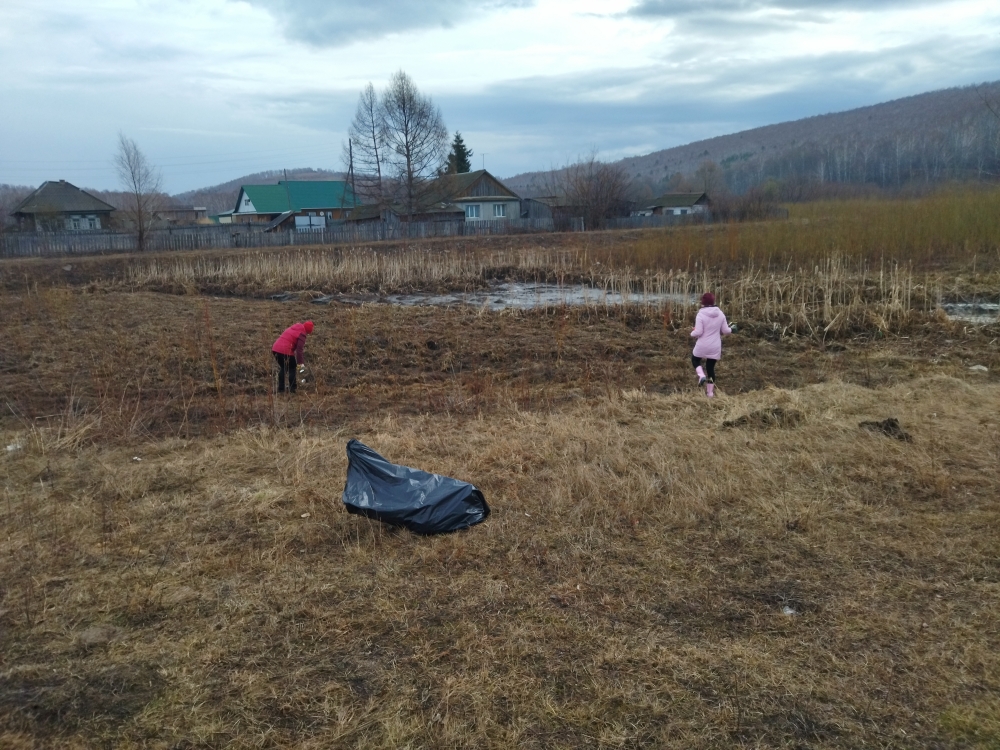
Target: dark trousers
286,363
709,367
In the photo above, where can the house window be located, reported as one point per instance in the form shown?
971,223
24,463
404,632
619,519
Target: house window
91,222
499,210
246,202
76,222
472,211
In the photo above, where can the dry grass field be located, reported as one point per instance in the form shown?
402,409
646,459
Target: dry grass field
660,570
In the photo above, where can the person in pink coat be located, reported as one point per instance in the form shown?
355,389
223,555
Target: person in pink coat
289,350
709,327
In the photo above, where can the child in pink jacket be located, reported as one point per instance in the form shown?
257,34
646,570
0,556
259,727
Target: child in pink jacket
288,350
709,328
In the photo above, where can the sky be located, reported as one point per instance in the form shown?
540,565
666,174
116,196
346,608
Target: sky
212,90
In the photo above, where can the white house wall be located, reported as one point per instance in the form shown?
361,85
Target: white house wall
513,208
245,205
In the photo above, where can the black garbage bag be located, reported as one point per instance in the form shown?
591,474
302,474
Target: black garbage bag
424,503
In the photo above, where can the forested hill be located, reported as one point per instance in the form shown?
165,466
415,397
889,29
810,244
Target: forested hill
932,137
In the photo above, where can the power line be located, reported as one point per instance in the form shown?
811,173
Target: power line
165,161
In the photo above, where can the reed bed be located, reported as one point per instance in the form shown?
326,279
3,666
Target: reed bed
838,295
356,269
958,228
835,267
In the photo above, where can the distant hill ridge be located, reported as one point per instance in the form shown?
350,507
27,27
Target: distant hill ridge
913,123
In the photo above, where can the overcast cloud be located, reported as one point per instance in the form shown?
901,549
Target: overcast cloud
332,23
215,89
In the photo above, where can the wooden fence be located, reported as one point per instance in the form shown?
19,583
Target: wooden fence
224,236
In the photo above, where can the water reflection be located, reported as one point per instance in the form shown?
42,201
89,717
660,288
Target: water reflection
526,296
979,313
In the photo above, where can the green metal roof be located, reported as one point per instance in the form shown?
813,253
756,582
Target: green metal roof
299,196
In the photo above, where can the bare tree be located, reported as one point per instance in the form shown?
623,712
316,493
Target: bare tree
10,197
366,151
599,191
141,182
710,178
415,138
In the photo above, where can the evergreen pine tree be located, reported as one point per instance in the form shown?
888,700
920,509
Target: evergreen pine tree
460,158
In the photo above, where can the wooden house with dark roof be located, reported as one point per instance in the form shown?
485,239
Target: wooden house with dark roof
395,213
481,195
56,206
469,196
677,204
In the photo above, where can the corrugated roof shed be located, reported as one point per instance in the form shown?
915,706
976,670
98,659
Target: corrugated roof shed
678,200
61,197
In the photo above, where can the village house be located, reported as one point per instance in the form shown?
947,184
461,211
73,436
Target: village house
57,206
467,196
677,204
180,216
481,196
565,216
301,205
394,214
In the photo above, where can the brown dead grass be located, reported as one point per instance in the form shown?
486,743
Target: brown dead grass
178,570
630,589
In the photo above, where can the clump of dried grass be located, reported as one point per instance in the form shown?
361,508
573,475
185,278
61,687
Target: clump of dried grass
647,579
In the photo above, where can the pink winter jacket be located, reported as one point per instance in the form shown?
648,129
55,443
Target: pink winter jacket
292,341
709,328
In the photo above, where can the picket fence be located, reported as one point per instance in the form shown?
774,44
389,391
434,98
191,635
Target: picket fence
226,236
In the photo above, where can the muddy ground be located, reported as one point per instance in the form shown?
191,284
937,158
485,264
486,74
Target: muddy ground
185,363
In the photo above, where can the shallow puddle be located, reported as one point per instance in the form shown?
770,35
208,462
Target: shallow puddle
978,313
524,296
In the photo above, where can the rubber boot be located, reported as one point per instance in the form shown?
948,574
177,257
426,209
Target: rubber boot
710,390
701,374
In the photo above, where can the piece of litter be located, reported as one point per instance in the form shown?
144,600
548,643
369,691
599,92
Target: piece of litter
14,447
528,515
136,458
788,610
305,515
979,368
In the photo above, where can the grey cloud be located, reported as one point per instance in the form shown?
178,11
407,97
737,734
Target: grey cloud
681,8
332,23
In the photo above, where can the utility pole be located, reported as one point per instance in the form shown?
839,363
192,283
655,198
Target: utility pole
354,190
